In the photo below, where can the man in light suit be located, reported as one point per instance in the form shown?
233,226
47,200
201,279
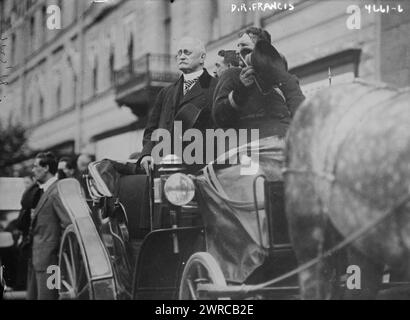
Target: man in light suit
193,90
47,224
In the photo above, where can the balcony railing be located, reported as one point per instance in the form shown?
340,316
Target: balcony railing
147,69
138,83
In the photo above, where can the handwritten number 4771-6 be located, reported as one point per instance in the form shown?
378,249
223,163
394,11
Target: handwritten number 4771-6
383,8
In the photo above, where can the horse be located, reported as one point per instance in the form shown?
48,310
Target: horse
347,176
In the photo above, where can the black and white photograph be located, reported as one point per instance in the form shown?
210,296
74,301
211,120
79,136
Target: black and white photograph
223,150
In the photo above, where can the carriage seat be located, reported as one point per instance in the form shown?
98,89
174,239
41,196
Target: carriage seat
107,173
114,180
132,194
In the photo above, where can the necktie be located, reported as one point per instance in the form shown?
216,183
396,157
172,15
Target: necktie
39,193
188,84
37,197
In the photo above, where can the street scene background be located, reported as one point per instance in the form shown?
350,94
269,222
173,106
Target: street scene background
80,77
89,85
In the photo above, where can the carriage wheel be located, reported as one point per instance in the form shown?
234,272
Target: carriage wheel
75,277
201,268
121,264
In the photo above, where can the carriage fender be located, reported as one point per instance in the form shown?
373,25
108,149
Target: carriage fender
158,265
74,203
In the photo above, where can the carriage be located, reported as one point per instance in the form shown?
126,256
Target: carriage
218,233
174,243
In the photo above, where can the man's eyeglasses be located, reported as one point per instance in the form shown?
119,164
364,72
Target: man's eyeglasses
185,52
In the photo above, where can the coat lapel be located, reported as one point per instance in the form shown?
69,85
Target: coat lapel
195,91
43,199
176,99
198,89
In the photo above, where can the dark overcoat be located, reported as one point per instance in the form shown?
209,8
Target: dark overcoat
171,99
270,113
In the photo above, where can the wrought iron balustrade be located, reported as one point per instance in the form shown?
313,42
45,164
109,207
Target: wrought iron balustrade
147,69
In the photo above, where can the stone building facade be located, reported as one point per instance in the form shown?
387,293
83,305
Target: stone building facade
89,85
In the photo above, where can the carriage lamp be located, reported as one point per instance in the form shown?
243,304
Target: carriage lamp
179,189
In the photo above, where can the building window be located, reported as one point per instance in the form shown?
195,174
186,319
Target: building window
61,6
338,68
111,62
74,87
58,97
30,113
13,49
167,26
1,16
168,38
76,9
95,76
130,53
32,31
216,31
41,108
44,24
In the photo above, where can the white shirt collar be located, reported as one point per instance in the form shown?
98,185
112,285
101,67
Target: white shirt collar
193,75
48,183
